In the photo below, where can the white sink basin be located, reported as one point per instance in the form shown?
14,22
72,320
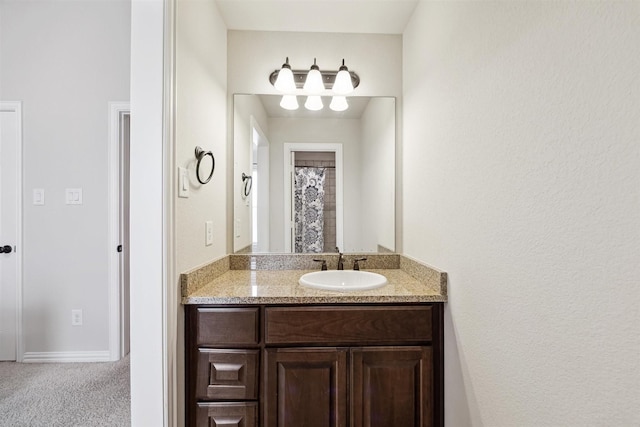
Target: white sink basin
343,280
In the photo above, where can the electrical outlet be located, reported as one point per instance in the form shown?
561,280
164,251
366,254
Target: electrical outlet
76,317
208,238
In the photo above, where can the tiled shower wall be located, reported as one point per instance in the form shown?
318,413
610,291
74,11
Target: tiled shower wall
326,160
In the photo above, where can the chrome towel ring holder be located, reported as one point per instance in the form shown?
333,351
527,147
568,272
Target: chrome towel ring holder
247,183
201,154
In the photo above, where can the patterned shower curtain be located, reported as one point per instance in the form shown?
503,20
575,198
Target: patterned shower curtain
309,209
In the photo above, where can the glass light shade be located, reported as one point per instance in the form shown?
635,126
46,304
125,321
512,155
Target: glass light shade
343,84
339,103
313,103
313,85
289,102
285,82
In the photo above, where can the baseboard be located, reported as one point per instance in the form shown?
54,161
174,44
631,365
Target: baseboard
65,356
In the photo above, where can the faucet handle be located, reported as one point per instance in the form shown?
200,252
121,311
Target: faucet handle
356,266
324,263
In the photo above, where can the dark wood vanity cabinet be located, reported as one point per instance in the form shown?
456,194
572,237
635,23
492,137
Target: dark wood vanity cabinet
314,365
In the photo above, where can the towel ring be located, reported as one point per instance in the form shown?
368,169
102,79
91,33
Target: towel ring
201,154
247,183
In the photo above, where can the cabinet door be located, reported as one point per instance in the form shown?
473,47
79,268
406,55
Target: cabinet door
305,387
391,386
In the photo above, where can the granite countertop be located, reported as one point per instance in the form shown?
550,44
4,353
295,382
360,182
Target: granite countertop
251,286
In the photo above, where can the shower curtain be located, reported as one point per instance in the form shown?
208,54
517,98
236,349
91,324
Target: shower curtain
309,209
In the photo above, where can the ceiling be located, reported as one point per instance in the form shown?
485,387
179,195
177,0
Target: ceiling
322,16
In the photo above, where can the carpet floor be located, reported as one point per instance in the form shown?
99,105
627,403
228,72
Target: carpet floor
65,394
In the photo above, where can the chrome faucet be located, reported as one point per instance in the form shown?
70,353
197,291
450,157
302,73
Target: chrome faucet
340,259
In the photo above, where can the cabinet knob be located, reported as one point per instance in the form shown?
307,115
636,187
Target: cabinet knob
6,249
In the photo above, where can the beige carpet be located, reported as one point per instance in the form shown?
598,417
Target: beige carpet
65,394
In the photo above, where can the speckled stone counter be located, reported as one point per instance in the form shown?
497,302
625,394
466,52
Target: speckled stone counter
234,280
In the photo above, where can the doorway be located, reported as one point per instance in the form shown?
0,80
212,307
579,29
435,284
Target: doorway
10,230
313,151
119,260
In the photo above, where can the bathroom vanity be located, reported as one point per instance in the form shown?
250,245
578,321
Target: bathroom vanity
262,350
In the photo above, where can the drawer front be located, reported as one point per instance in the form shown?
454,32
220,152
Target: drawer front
227,374
227,414
228,326
357,325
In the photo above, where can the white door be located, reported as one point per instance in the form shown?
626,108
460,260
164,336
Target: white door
10,154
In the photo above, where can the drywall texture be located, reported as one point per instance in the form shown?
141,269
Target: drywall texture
521,180
65,61
200,118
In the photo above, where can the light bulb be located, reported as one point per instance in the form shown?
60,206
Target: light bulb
313,103
313,84
339,103
343,84
285,82
289,102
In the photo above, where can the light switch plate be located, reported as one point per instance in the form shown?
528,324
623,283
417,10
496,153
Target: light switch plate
183,182
38,196
74,196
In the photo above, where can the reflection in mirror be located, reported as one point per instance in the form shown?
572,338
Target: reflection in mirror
320,179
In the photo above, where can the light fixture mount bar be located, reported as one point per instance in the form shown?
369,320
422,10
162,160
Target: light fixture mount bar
328,77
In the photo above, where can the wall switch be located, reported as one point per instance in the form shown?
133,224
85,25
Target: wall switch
183,182
74,196
38,196
208,231
76,317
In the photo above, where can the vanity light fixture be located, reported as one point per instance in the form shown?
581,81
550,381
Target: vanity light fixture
313,84
313,103
343,84
339,103
289,102
285,82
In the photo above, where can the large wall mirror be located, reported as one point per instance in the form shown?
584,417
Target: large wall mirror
313,181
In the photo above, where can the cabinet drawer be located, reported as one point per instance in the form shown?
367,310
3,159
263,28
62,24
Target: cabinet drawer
227,374
325,325
227,414
227,326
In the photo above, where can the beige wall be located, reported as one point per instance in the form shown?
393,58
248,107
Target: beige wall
522,181
200,120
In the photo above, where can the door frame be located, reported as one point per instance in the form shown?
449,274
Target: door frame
290,147
16,107
117,312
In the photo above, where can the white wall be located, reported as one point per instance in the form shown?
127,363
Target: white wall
378,159
522,181
153,317
201,117
65,61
